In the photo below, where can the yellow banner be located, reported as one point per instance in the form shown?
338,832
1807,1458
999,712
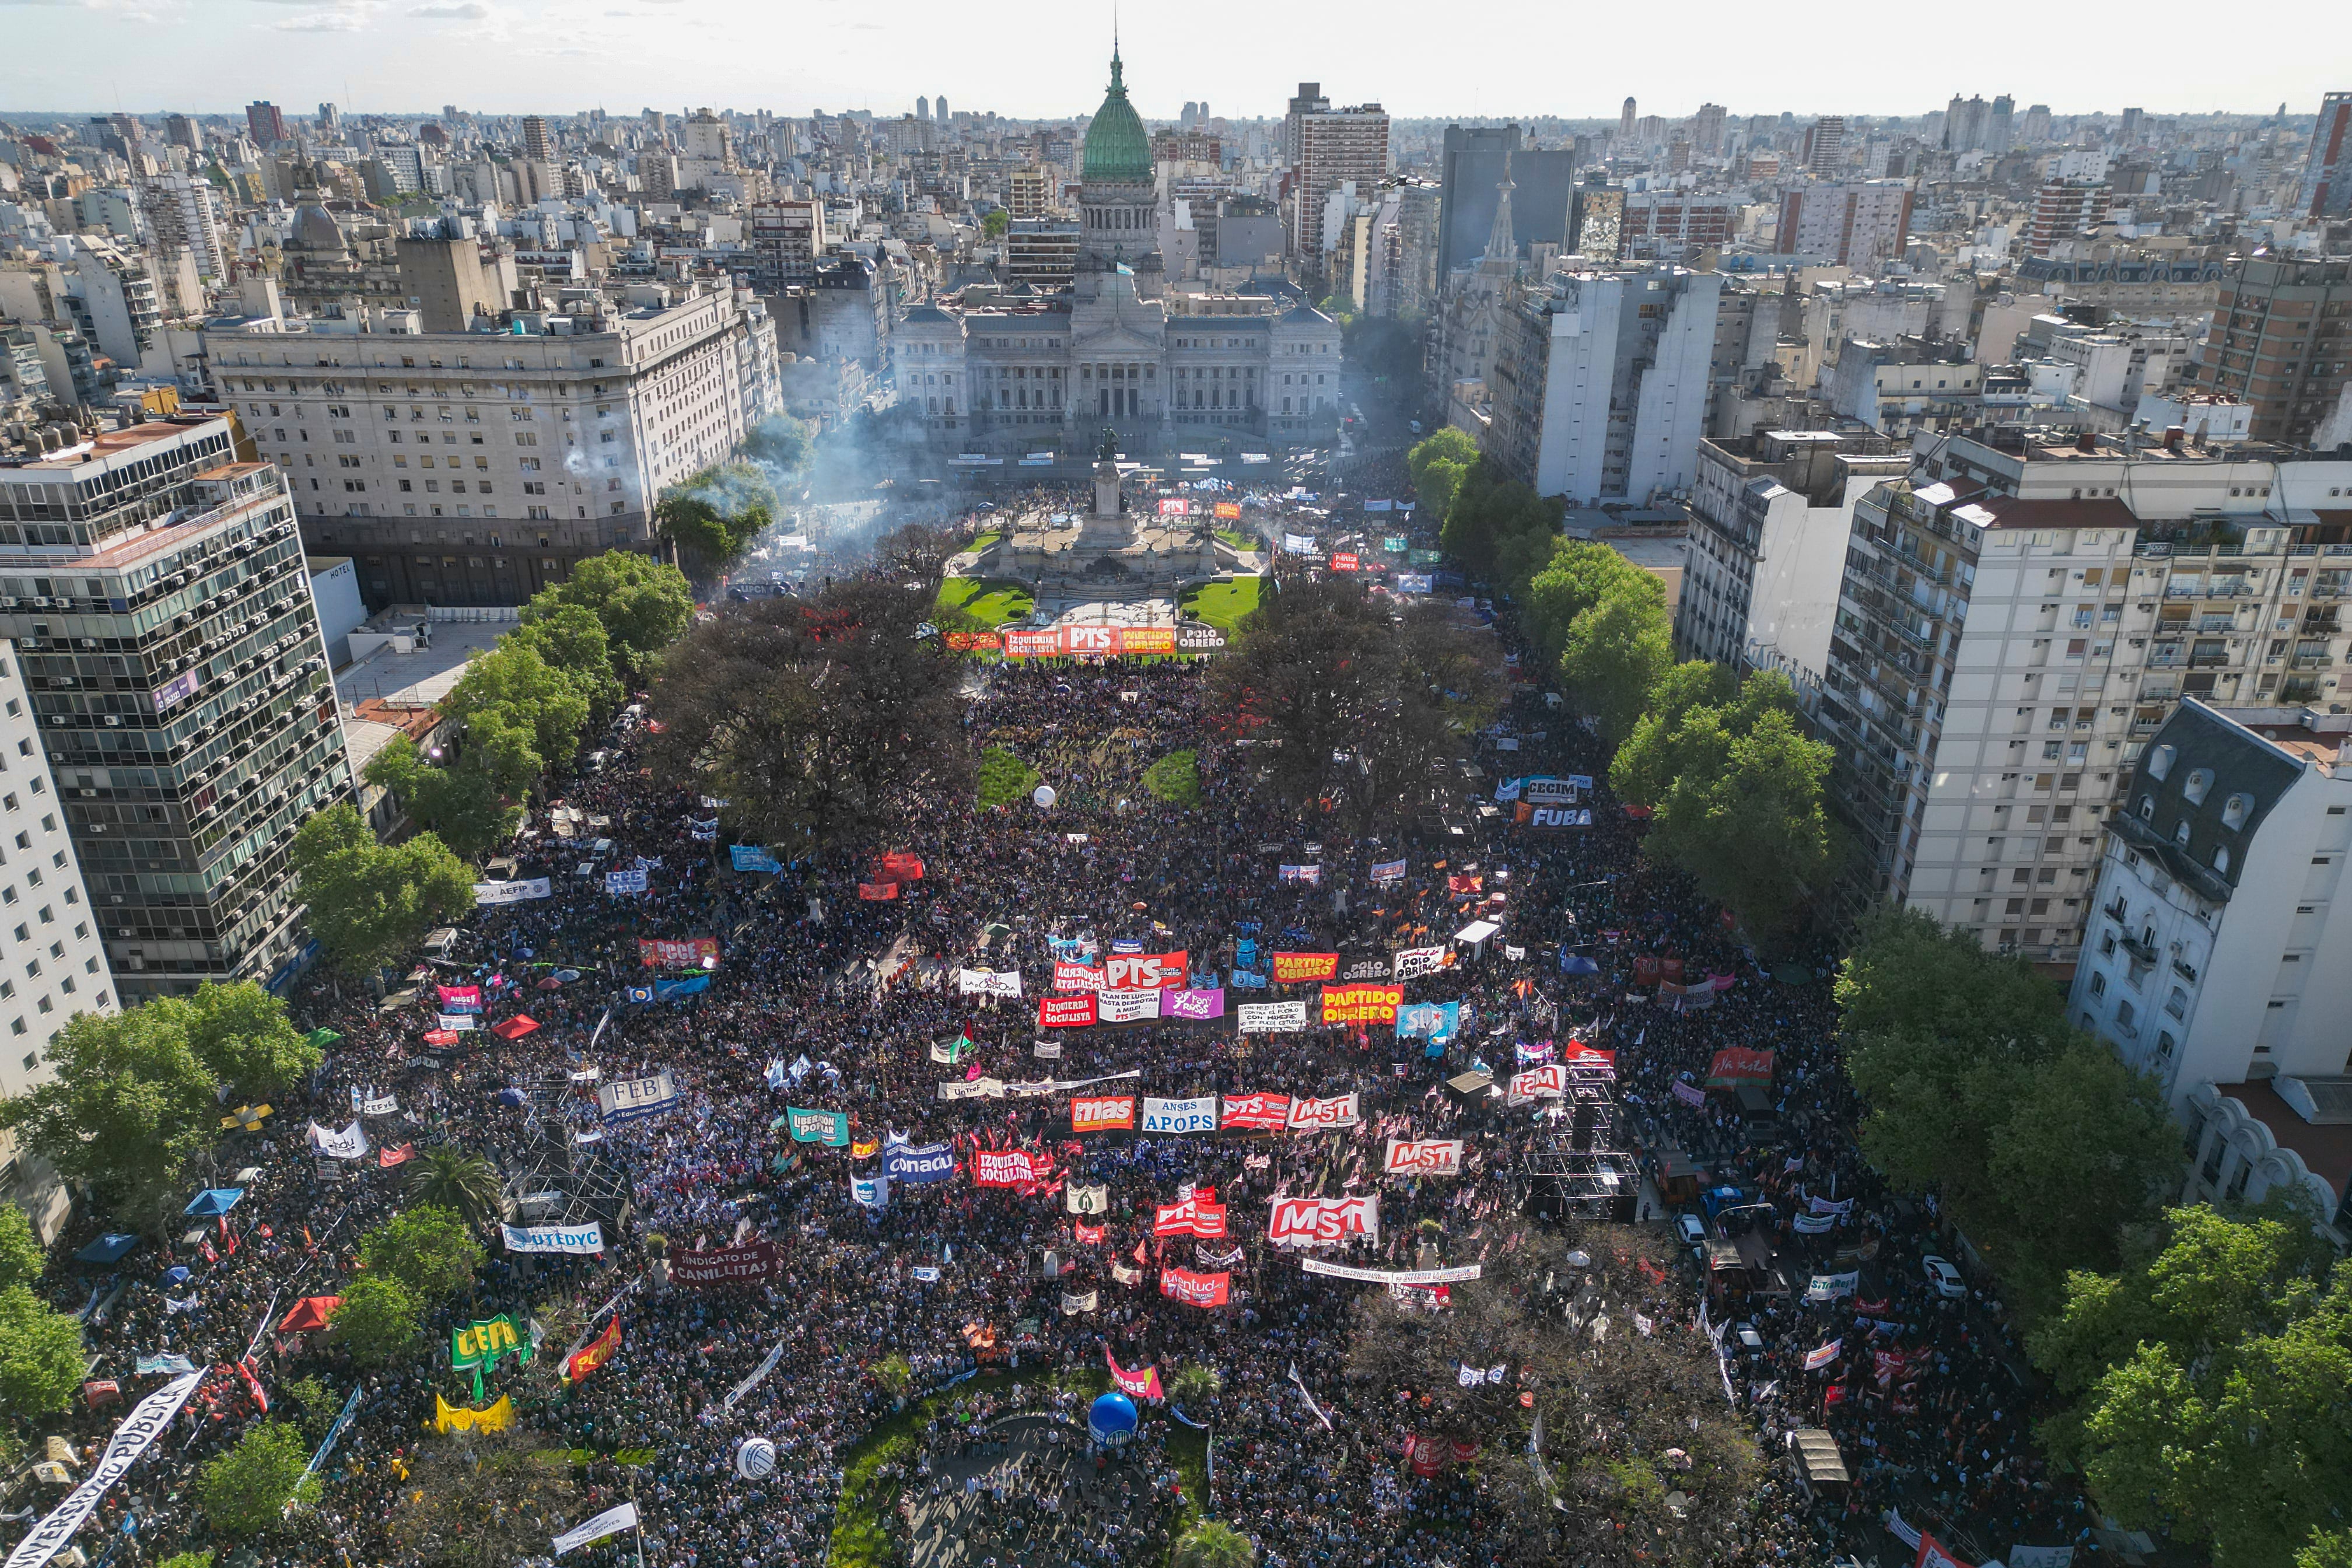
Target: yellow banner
449,1417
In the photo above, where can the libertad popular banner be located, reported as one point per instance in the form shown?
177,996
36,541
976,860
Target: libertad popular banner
1102,1112
1271,1018
751,1261
1010,1167
1361,1003
1199,1289
1290,968
1267,1111
830,1128
1318,1222
1424,1157
145,1423
688,953
1320,1115
1196,1115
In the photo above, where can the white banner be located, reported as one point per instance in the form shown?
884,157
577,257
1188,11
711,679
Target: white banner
636,1096
1318,1222
1087,1200
989,981
459,1022
1432,1157
585,1240
1318,1115
380,1105
1270,1017
512,892
612,1521
1126,1006
1391,1275
972,1089
351,1144
1415,962
735,1395
145,1423
1196,1115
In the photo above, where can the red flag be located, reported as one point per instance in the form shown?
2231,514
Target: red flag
252,1385
1139,1252
205,1248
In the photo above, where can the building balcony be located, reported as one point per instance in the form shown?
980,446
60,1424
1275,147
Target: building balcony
2141,951
2206,590
2313,661
2186,971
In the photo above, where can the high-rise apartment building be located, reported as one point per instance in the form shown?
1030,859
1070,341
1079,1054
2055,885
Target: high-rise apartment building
181,220
1335,147
1824,149
2000,125
2282,341
1860,224
535,141
475,468
180,130
1025,194
1706,129
1309,99
1472,162
2036,130
2016,621
1600,384
1626,122
1675,225
2064,209
785,238
266,124
155,591
2326,187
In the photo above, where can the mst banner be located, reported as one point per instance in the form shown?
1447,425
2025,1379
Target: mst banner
1319,1222
1319,1115
1431,1157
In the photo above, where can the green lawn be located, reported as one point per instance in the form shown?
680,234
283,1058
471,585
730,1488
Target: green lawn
1240,541
982,540
989,600
1004,779
1222,604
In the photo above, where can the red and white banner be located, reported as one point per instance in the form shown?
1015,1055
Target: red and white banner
1539,1083
1067,1012
685,954
1142,1384
1934,1553
1102,1112
1321,1115
1427,1157
878,891
1033,644
1144,971
900,865
1009,1167
1194,1217
1318,1222
1289,968
1076,977
1090,640
1200,1289
1268,1111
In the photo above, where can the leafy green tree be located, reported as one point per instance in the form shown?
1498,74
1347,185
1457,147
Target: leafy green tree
894,1373
1499,528
1195,1384
1905,974
780,441
571,641
513,681
243,1037
129,1108
456,1180
644,605
369,903
1438,465
2326,1549
244,1492
997,224
1751,831
40,1354
2209,1381
22,1257
188,1560
1616,652
1175,778
1658,750
376,1321
430,1249
457,800
315,1405
1213,1544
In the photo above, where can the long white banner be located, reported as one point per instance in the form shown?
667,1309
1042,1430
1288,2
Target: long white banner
612,1521
586,1241
141,1428
1391,1275
487,893
1270,1017
1196,1115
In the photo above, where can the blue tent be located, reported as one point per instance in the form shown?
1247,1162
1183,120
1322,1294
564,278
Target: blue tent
513,1096
108,1248
176,1274
213,1200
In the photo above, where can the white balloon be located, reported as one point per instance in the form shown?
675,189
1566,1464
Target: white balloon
1042,794
755,1460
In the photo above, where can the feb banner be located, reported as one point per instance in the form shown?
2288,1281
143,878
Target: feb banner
516,892
580,1240
1319,1222
1196,1289
1194,1115
1423,1157
688,953
631,1099
1323,1115
1361,1003
1267,1112
744,1265
1293,968
830,1128
1102,1112
1271,1018
1077,1011
1010,1167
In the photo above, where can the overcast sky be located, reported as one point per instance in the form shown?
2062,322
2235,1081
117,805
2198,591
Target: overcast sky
1505,59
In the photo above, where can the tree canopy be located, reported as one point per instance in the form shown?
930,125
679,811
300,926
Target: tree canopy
644,606
244,1492
129,1106
458,801
22,1257
41,1364
1438,465
369,903
430,1249
376,1321
714,515
1497,528
243,1037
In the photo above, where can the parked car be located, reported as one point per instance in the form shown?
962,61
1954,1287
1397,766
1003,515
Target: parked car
1691,1229
1945,1279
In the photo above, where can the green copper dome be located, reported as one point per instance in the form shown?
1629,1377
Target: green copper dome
1119,152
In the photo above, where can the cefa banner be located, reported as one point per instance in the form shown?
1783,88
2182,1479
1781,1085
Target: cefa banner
1423,1157
1067,1012
1361,1003
1266,1111
1009,1167
686,954
727,1266
1199,1289
1319,1222
1144,971
1322,1115
1102,1112
1291,967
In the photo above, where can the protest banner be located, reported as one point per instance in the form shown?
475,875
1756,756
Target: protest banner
1318,1222
1424,1157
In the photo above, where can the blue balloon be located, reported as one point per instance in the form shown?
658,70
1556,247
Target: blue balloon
1111,1420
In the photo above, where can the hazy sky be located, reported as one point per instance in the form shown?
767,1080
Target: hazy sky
1505,59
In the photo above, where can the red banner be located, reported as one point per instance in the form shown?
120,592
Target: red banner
1033,644
686,954
1426,1455
1194,1217
1737,1064
1065,1012
902,867
1316,1222
1458,885
1270,1111
1089,640
1229,510
1199,1289
1068,976
1143,1384
387,1158
753,1261
1009,1167
594,1353
1344,560
972,642
1144,971
1361,1003
1102,1112
878,891
1290,967
1090,1233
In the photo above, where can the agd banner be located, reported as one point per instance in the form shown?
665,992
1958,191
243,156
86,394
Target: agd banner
1319,1222
1423,1157
1196,1115
580,1240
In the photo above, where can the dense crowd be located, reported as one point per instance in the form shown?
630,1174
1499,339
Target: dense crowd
825,999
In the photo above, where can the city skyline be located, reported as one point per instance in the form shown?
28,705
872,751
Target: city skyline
404,59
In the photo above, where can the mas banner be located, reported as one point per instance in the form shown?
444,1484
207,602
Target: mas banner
1101,1114
753,1261
686,954
580,1240
1361,1003
1426,1157
1265,1112
1291,968
1068,1012
1271,1018
1323,1115
487,893
637,1097
1010,1167
1198,1290
1144,971
1196,1115
1319,1222
830,1128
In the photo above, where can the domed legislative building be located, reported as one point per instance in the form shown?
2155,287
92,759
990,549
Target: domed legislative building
1001,368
